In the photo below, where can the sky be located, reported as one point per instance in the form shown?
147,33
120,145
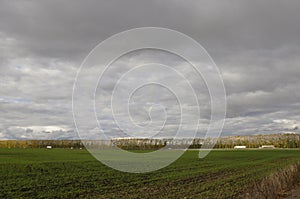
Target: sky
254,43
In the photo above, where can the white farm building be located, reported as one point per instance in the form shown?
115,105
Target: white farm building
239,147
267,147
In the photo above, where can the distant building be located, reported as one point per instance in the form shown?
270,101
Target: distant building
49,147
239,147
267,147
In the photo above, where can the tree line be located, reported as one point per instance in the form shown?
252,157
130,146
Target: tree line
253,141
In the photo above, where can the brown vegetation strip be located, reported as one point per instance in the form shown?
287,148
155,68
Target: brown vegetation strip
275,184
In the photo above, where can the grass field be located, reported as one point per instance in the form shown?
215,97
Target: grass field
65,173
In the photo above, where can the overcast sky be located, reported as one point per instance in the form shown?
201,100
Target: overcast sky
255,44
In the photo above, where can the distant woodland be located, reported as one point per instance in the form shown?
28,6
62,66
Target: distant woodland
253,141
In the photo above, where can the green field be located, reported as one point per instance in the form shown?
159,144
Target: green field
65,173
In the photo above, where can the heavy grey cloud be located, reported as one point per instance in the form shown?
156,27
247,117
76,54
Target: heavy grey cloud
255,44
